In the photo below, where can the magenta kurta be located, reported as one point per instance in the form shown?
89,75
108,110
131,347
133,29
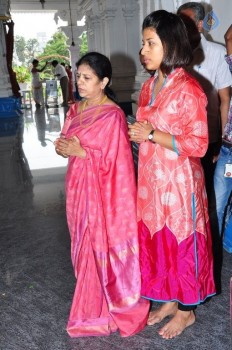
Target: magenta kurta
101,214
176,254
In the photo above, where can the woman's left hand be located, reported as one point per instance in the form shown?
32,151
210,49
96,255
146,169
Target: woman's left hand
139,131
70,147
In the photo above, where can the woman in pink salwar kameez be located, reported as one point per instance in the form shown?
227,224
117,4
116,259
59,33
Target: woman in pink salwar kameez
101,209
171,127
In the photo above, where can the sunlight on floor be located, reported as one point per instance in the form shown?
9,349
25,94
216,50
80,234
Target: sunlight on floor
41,128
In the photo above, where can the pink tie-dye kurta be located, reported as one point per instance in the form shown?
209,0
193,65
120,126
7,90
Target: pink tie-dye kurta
176,256
101,214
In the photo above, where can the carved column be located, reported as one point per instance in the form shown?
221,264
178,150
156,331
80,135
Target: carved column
94,33
112,29
5,86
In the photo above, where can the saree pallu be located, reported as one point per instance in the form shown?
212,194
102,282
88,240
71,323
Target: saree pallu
101,215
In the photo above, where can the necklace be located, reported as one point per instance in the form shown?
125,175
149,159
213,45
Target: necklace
92,120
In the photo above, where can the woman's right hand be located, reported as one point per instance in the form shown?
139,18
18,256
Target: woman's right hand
69,147
139,131
58,149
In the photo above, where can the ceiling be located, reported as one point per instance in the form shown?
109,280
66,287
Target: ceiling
49,5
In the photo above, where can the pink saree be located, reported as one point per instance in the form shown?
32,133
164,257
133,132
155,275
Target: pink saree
175,238
101,214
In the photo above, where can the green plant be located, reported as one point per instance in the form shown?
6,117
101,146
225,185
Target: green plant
84,44
22,74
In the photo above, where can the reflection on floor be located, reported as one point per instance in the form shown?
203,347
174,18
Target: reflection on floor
36,279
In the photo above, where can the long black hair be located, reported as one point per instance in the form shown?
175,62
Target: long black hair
101,66
173,35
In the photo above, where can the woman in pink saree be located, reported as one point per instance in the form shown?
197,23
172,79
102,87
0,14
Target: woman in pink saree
101,209
171,127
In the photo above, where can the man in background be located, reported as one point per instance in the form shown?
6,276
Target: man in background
211,70
61,75
223,172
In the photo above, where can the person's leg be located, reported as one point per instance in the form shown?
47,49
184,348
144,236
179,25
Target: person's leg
41,96
209,168
183,318
64,89
217,215
227,236
222,185
156,316
183,307
227,228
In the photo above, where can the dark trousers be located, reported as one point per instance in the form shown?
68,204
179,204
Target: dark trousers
186,307
209,168
64,89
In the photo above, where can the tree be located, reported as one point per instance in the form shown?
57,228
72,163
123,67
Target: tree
84,44
19,48
25,50
57,47
32,49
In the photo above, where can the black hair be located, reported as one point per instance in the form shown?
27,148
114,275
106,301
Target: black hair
173,35
198,9
35,61
101,66
192,30
54,62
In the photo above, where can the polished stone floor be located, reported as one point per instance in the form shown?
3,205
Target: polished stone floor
36,276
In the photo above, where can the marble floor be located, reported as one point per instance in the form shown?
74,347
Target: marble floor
36,276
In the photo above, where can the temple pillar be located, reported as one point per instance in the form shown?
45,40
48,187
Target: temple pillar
112,30
5,85
10,107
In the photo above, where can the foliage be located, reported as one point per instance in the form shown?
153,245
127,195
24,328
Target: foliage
22,74
32,49
19,48
57,47
25,50
84,44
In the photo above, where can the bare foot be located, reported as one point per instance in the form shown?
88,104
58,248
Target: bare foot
178,323
165,310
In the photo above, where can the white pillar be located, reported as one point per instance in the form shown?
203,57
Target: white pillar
112,29
5,85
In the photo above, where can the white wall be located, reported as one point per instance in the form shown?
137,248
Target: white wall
223,10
